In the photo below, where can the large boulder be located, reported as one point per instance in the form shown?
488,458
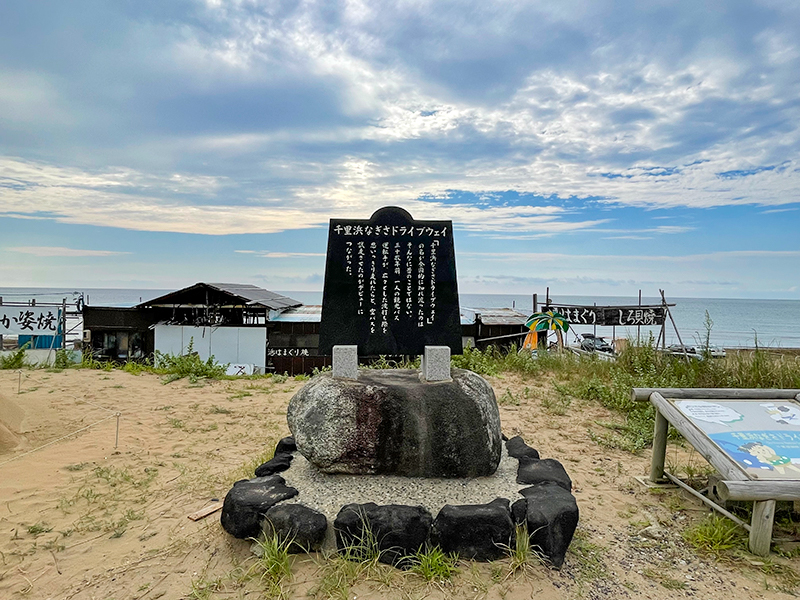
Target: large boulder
304,527
551,515
389,421
481,532
248,501
396,531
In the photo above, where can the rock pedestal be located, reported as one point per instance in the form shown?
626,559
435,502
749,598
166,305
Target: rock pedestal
391,422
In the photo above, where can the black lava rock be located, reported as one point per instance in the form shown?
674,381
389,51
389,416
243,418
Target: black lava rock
479,531
531,472
286,446
517,448
551,515
304,526
248,501
398,531
280,462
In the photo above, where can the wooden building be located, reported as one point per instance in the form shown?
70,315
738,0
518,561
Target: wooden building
244,324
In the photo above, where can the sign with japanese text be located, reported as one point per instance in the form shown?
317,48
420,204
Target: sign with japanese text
611,315
29,320
761,437
390,285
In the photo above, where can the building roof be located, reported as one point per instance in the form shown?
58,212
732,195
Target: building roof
499,316
236,294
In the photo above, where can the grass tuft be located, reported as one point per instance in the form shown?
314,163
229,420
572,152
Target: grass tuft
274,565
715,534
433,565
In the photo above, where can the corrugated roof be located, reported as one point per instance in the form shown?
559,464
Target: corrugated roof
241,293
308,313
498,316
257,295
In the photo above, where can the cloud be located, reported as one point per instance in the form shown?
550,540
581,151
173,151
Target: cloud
49,251
223,118
272,254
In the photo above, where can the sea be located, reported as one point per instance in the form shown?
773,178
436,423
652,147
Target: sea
735,323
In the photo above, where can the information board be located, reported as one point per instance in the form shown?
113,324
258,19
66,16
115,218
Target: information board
390,285
761,437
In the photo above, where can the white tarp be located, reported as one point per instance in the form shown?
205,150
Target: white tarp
29,320
234,345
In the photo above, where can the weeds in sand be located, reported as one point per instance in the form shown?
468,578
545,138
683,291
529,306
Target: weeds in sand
38,529
559,404
664,580
247,469
76,467
218,410
189,364
63,359
522,555
588,559
359,559
508,399
715,534
15,360
433,565
202,589
273,564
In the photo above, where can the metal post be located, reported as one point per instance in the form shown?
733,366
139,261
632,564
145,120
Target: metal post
659,448
116,439
639,327
535,302
674,326
64,324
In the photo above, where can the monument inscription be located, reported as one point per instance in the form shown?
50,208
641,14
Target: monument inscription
390,285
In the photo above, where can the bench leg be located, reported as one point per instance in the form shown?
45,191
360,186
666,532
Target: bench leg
761,527
659,448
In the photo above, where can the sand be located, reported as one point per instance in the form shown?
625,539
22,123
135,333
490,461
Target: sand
81,519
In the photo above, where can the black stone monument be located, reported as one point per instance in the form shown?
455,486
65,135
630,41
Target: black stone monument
390,285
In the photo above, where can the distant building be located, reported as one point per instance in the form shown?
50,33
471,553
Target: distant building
247,325
226,320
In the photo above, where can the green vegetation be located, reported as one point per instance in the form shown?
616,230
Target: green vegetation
715,534
16,360
610,383
273,565
432,564
189,364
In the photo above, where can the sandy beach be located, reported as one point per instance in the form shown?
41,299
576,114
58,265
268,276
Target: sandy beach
81,519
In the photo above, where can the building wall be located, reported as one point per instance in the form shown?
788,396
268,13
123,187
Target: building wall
235,345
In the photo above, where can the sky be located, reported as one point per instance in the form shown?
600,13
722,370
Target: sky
596,148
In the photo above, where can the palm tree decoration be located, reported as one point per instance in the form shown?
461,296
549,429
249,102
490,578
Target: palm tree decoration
549,320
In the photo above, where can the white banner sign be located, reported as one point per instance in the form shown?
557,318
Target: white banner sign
28,320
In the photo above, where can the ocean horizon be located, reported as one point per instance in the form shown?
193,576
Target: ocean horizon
737,322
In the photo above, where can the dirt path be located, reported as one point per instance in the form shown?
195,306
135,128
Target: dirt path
79,519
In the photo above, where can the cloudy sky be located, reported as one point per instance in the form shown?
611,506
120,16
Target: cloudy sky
593,147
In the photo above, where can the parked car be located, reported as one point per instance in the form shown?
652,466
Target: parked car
683,350
593,343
